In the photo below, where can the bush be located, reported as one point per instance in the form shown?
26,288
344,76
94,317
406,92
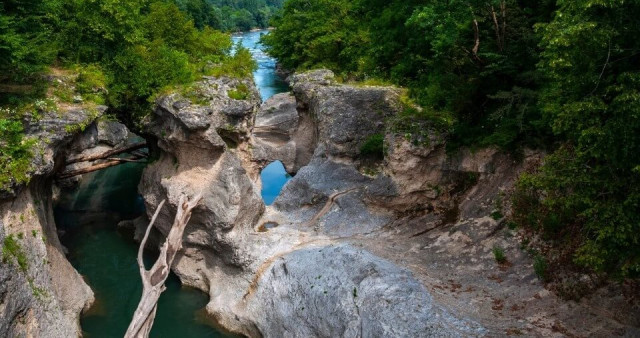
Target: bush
240,93
15,154
498,254
12,249
540,267
373,147
240,65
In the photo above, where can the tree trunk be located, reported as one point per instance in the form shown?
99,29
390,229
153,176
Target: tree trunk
153,279
111,163
107,154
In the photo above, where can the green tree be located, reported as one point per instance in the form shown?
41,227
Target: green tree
25,38
588,192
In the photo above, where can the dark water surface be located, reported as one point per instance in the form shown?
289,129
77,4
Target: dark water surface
106,256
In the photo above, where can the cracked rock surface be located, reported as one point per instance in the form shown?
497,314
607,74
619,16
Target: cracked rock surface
401,250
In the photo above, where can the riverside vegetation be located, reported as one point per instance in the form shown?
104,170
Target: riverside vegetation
563,76
117,53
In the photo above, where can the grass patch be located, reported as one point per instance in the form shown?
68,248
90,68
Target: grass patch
11,249
38,292
499,255
373,147
240,93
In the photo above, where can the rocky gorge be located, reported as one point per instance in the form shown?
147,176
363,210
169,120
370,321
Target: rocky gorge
404,249
355,247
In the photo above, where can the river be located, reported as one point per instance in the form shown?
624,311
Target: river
87,218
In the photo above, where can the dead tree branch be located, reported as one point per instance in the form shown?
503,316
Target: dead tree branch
154,278
110,153
112,162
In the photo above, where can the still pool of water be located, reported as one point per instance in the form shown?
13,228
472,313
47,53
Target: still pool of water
106,258
273,177
88,216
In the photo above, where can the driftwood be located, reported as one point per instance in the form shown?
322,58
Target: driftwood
112,162
107,154
153,279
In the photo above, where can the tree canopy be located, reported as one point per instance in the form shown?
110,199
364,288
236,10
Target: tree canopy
558,75
122,52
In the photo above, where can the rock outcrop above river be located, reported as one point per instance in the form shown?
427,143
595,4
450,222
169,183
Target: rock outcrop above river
402,251
41,294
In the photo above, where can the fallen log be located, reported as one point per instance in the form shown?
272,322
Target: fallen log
112,162
107,154
90,169
154,278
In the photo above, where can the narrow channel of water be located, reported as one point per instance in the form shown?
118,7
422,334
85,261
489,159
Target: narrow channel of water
265,76
87,218
106,257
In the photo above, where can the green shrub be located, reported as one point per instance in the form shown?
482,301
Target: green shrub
497,215
91,79
12,249
540,267
373,147
240,65
499,255
240,93
15,154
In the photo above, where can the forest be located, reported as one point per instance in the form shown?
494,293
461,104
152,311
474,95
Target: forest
231,15
122,52
562,76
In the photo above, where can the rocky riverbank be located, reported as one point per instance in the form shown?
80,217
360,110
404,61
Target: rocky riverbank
403,249
41,294
354,246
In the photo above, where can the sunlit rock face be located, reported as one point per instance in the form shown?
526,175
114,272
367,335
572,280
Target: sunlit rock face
41,294
271,270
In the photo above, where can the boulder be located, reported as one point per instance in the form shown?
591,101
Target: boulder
283,133
112,133
346,115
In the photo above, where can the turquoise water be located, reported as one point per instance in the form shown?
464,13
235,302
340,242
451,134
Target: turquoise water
106,256
265,76
273,177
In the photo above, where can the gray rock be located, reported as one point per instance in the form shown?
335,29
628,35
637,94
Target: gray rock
54,132
342,291
346,115
112,133
197,142
43,295
345,253
282,133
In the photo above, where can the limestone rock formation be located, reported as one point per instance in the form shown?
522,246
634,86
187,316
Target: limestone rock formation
41,294
227,252
401,251
282,132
